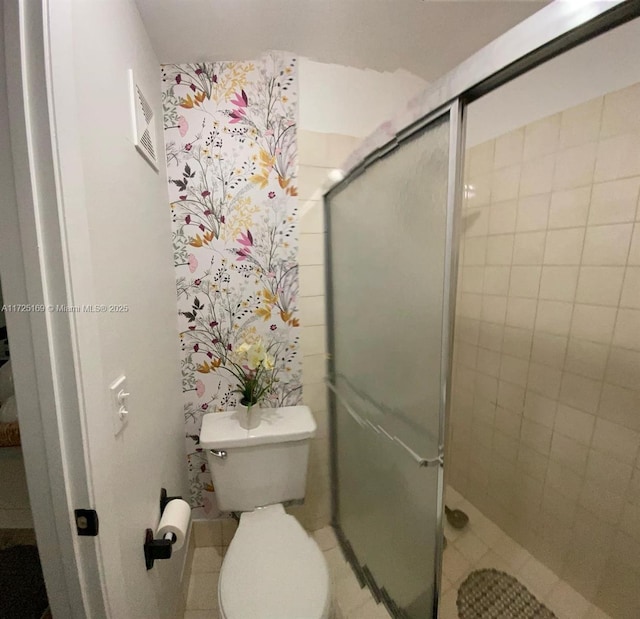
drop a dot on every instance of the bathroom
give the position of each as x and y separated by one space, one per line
539 416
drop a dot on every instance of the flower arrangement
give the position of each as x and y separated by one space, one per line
254 368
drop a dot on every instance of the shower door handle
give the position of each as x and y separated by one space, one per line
378 429
439 461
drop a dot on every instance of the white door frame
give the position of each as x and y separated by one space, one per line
39 268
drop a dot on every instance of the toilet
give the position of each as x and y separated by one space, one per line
272 568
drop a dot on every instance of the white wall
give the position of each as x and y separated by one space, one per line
130 262
15 511
351 101
602 65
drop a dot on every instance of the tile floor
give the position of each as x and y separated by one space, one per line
349 600
480 545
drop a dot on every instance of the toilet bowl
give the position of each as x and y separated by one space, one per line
273 570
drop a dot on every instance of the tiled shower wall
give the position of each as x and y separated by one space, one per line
319 153
545 422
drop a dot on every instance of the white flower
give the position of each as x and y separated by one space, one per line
255 357
269 362
243 348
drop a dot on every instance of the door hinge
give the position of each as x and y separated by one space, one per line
87 522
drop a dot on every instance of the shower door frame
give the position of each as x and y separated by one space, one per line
550 32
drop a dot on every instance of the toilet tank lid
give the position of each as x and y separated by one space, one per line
278 425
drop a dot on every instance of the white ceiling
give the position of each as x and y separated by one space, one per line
427 38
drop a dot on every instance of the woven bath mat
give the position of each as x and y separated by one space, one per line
492 594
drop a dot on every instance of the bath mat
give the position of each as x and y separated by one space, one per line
492 594
22 585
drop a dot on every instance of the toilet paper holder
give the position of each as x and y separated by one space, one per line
155 549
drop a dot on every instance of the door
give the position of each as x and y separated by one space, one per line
390 250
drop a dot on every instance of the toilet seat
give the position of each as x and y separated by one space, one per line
273 570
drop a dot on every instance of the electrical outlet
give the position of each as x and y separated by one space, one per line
119 403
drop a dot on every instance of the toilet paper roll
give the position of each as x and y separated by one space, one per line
175 519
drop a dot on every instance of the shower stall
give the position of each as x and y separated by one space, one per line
468 260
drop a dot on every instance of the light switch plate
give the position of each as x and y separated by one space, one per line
119 403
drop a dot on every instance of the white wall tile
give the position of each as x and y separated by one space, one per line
496 280
631 288
616 441
313 148
525 281
627 330
634 252
569 452
607 245
314 368
521 312
528 248
517 342
623 368
494 308
537 176
480 159
575 424
514 370
564 246
618 157
472 279
549 349
312 311
508 149
313 340
620 405
311 182
544 380
540 409
580 392
569 208
614 202
499 249
541 137
554 317
594 323
567 391
600 285
610 473
620 113
504 184
311 281
475 222
574 167
311 217
502 218
559 283
475 251
586 358
311 249
533 212
478 192
580 124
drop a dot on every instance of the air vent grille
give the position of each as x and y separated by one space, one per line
144 125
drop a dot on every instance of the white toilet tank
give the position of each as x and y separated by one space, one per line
263 466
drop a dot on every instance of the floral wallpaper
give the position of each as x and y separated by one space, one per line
230 136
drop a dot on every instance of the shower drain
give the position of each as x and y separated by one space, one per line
492 594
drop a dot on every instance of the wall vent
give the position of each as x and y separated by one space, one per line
144 125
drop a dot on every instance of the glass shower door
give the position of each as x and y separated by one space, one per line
389 253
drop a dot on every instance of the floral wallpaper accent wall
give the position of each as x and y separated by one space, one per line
230 136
